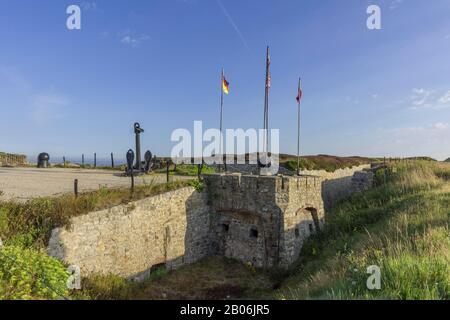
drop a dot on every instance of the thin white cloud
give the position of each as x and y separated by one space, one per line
429 140
429 99
394 4
134 40
440 126
233 24
419 97
445 99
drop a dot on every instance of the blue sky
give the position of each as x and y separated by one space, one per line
366 92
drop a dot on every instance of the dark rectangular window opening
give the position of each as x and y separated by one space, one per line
225 227
253 233
297 233
311 228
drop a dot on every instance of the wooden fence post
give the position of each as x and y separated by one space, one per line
75 187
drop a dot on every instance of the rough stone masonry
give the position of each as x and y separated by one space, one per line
256 219
263 220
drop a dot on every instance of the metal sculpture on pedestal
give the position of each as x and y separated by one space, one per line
43 160
139 167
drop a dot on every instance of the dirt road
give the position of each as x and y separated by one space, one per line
25 183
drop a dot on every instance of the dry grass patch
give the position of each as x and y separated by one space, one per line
211 278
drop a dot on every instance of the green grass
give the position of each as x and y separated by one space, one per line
29 274
29 224
402 226
192 170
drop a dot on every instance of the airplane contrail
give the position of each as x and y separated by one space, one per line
233 24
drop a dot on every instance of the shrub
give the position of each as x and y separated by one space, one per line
29 274
198 185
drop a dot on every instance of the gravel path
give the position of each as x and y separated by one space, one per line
25 183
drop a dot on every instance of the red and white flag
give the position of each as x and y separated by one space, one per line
299 95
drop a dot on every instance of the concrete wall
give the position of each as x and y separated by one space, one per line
128 240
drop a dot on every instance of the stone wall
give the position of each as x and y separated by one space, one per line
128 240
7 159
336 185
260 220
263 220
303 216
362 181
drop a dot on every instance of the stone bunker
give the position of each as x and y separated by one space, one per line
259 220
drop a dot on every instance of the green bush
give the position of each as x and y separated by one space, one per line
28 274
198 185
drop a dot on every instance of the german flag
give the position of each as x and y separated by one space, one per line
225 86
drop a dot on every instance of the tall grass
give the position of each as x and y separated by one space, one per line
402 226
323 162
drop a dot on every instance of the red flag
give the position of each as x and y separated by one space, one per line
299 96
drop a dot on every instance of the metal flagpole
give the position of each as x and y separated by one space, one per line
221 118
298 127
266 105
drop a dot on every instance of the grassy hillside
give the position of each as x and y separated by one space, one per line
402 226
322 162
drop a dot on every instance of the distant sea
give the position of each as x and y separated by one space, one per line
87 160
